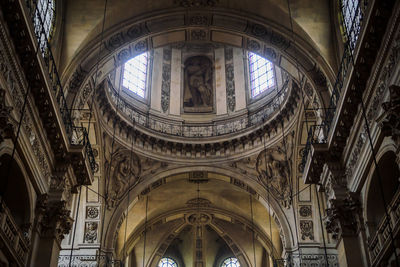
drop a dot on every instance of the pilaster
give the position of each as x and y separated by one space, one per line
6 128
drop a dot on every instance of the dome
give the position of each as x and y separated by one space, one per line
197 92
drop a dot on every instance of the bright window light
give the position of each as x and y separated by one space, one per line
230 262
167 262
43 22
352 20
135 74
261 74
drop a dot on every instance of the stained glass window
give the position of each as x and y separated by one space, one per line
261 74
230 262
167 262
135 74
352 18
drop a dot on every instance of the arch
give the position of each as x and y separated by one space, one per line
276 209
167 262
18 196
180 216
256 35
230 262
389 172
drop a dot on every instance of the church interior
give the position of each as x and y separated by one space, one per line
199 133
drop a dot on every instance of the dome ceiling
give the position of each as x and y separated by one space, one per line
84 20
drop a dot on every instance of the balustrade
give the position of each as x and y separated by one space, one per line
13 236
196 130
381 239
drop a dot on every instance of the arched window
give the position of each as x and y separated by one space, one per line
351 12
230 262
261 72
135 74
167 262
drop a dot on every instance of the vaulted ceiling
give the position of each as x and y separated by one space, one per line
84 20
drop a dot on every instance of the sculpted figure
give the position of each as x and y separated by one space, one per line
198 82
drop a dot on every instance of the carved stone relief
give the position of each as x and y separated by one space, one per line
6 128
166 79
17 92
91 232
305 211
92 212
230 79
198 85
391 123
247 165
198 203
387 72
123 169
274 169
342 216
306 229
53 218
196 3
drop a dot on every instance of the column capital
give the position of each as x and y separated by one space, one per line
53 218
342 216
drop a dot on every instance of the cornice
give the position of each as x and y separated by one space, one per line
169 147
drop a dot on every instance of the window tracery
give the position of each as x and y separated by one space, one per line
230 262
135 74
261 72
167 262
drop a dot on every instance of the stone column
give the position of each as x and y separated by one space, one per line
52 222
343 222
52 218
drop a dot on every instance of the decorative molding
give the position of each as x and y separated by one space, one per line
53 218
307 229
274 169
151 134
374 108
6 127
230 79
16 87
92 212
342 216
391 124
305 211
198 203
196 3
91 232
166 79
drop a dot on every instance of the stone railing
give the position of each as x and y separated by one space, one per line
88 260
198 130
12 236
309 260
381 241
